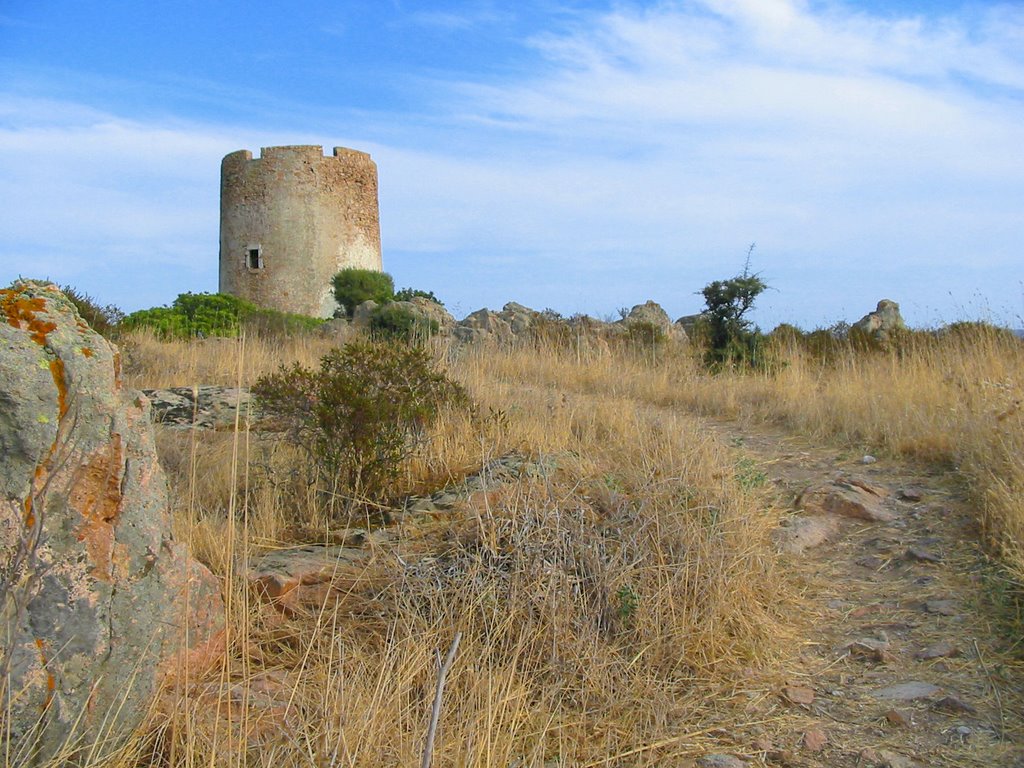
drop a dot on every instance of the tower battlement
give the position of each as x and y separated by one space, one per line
291 219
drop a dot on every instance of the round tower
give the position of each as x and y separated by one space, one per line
291 219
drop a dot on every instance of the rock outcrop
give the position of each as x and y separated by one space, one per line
883 322
517 323
207 407
484 326
101 605
651 314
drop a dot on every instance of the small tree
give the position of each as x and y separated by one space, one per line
732 339
361 415
408 294
353 286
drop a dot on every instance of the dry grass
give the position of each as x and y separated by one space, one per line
954 400
613 605
614 609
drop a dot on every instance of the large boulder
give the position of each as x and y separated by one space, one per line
430 311
483 326
101 604
519 318
881 323
651 315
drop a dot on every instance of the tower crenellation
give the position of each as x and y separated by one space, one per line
291 219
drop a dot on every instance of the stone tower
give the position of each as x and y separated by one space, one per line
291 219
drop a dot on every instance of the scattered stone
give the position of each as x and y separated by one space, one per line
941 607
720 761
898 718
961 733
910 494
862 611
290 579
868 459
954 705
922 555
907 691
867 756
95 620
835 604
798 694
847 497
814 739
782 757
869 648
944 649
887 759
806 532
871 562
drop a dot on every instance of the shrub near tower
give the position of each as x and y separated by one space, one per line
291 219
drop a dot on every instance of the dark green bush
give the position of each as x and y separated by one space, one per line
216 314
353 286
361 415
103 319
733 340
408 294
393 321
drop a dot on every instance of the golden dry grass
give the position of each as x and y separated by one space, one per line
614 609
609 606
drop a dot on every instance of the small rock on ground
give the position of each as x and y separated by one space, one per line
907 691
720 761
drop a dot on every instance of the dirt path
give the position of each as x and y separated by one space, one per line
930 679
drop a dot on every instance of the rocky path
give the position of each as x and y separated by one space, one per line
907 658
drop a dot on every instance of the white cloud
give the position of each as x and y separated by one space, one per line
866 156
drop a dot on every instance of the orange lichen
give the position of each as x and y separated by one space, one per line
96 494
51 682
87 352
57 371
20 311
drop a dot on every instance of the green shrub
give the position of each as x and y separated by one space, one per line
393 321
408 294
103 319
353 286
732 339
216 314
361 415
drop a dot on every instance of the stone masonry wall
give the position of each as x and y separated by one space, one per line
308 215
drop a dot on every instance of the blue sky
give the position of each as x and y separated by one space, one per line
573 154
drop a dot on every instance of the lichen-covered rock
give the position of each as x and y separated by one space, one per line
101 605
